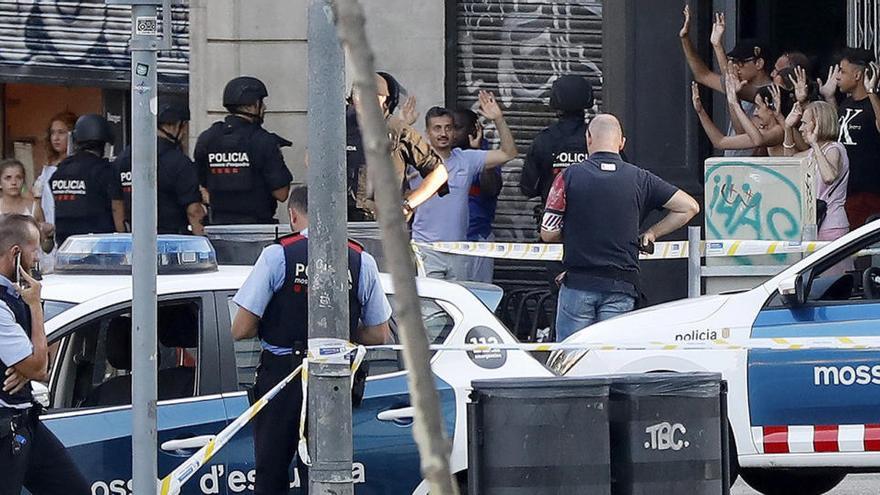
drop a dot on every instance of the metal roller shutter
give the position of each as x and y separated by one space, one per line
517 48
81 42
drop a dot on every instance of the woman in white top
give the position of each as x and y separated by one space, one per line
57 135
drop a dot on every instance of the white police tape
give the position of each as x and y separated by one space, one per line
320 350
662 250
325 351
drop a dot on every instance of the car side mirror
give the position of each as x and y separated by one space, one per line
793 291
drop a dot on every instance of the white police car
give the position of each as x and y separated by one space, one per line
801 419
203 372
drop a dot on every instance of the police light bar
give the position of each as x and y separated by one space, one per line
111 254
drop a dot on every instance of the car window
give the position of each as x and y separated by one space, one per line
438 324
852 275
51 309
94 368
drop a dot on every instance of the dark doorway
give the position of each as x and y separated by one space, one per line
815 27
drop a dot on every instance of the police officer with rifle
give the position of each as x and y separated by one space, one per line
179 202
240 163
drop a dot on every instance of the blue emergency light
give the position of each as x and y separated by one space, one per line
111 254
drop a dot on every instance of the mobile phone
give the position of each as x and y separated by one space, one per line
646 248
18 268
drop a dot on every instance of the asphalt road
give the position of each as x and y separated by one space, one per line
854 484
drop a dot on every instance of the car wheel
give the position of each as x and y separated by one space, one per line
785 482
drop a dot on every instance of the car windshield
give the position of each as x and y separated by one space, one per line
51 309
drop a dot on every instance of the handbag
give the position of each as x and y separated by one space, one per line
822 205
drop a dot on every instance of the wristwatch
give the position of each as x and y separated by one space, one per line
407 208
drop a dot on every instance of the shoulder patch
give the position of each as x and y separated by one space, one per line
291 239
357 246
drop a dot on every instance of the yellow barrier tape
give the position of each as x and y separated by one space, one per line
662 250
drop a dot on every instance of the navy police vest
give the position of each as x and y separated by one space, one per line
285 321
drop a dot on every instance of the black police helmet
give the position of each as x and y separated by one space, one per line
92 128
244 90
393 91
172 110
571 93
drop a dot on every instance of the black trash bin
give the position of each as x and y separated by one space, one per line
666 434
543 436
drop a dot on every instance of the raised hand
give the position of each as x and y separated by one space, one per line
872 74
801 88
776 93
686 27
732 85
695 97
829 87
408 112
795 116
489 107
718 26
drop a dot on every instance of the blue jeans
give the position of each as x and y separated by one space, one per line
578 309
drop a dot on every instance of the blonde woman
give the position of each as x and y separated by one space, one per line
13 197
818 126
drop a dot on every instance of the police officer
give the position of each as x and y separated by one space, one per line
408 149
87 192
30 455
240 163
179 201
557 147
273 305
562 144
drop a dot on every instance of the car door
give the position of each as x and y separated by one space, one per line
90 391
820 400
385 456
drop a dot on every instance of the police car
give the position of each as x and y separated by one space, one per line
801 418
203 373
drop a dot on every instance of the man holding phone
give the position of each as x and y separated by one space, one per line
594 208
30 455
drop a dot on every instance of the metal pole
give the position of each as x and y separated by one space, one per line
694 263
144 48
329 384
428 429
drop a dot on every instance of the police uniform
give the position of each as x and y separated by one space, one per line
83 187
277 292
30 454
557 147
240 164
177 186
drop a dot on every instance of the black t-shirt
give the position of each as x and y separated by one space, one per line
858 133
177 186
600 204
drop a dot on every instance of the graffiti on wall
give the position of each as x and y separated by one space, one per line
81 35
518 48
521 47
751 201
